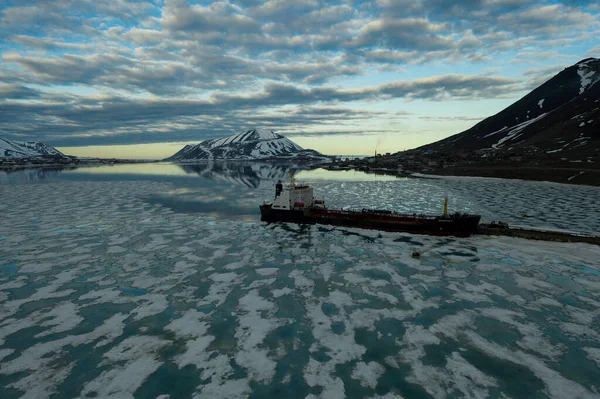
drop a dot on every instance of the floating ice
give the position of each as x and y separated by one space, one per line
150 305
231 301
267 271
122 382
5 352
251 333
63 317
321 374
189 324
593 354
195 351
368 373
281 291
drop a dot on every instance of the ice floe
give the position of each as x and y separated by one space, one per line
368 373
251 333
248 307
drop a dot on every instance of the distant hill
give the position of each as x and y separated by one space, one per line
28 149
560 119
255 144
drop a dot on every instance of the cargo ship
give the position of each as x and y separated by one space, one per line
295 203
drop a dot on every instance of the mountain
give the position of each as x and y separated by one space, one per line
560 119
255 144
28 149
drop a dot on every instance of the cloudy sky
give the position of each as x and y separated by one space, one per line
138 78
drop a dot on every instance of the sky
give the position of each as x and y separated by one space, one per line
139 79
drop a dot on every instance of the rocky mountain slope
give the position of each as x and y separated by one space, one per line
558 120
255 144
29 149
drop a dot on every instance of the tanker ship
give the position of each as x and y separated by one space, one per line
295 203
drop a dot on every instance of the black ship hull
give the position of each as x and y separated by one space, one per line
460 225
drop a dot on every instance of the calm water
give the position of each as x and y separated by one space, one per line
147 280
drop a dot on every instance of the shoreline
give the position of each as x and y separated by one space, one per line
573 176
82 163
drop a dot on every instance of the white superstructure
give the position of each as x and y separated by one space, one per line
295 196
292 196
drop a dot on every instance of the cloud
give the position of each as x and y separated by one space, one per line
219 17
17 92
106 119
537 76
68 17
452 118
69 68
446 87
551 19
118 120
594 52
402 34
32 42
35 20
82 71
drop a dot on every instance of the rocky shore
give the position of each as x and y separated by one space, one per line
583 175
568 172
43 162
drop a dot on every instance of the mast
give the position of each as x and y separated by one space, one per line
445 206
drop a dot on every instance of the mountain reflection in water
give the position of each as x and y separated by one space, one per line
249 174
235 189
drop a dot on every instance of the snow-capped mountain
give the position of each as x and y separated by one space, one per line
561 117
255 144
27 149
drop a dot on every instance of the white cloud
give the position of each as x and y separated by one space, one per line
201 61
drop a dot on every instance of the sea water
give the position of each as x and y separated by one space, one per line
140 281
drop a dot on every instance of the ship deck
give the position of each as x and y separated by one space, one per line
371 214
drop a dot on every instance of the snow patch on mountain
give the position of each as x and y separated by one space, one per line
252 144
516 130
587 75
28 149
547 120
496 132
247 136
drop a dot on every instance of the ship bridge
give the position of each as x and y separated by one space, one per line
293 197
